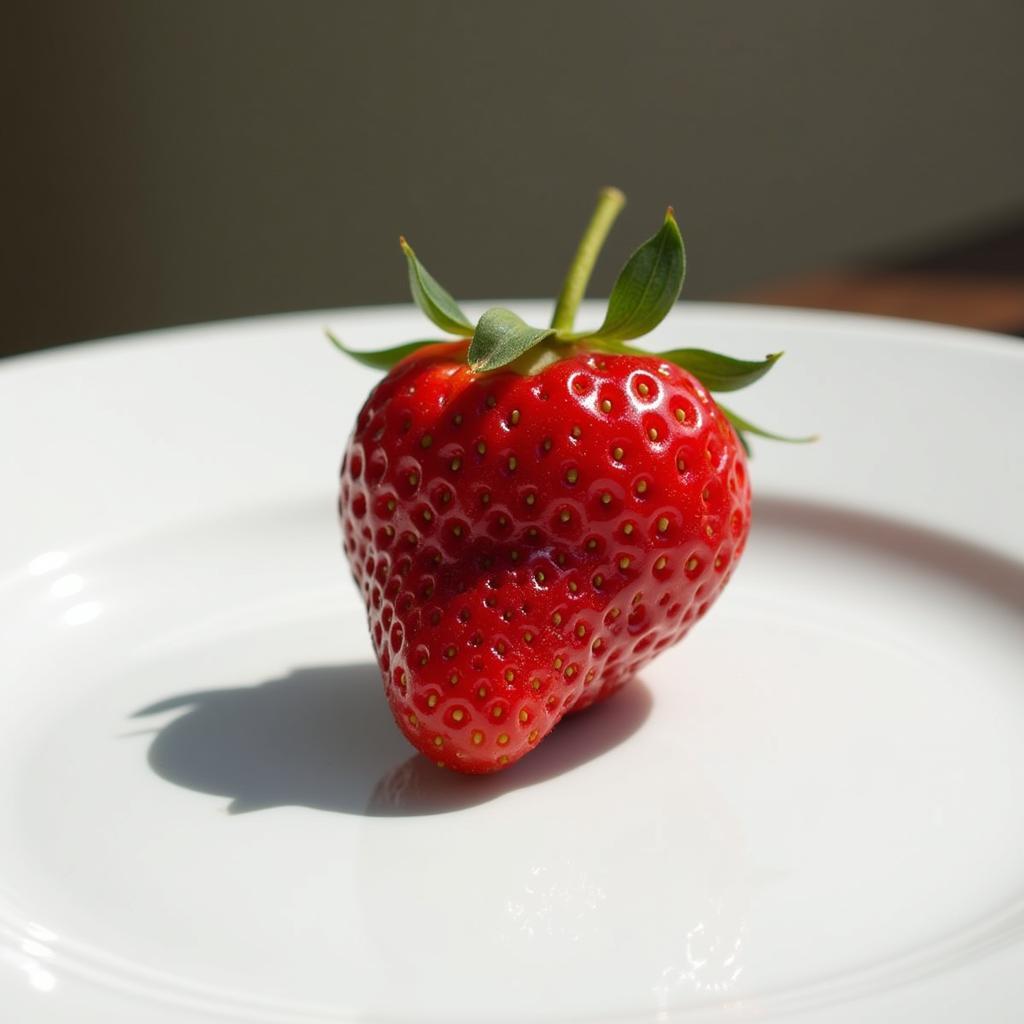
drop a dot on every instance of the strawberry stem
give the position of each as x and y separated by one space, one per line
609 202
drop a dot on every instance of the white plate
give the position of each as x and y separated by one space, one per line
814 804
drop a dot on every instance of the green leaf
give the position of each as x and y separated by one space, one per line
743 426
382 358
502 337
744 441
433 299
647 286
717 372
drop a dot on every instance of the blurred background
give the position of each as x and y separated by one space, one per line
176 162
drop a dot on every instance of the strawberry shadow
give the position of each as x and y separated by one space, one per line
323 737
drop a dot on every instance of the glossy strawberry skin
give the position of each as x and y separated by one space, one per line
525 544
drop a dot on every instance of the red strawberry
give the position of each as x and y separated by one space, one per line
527 537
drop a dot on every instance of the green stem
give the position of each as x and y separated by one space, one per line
609 203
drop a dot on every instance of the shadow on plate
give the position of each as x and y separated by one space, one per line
990 573
324 738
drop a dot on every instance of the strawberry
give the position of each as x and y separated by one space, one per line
533 515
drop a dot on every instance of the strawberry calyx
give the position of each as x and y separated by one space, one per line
646 289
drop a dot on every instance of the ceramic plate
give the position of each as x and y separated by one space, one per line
813 806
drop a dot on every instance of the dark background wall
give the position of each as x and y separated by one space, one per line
169 162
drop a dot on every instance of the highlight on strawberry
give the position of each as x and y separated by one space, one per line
534 513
